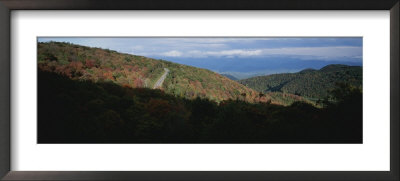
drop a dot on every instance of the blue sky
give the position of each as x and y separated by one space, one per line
306 48
205 51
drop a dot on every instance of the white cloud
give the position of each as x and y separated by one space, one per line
236 52
172 53
311 52
223 53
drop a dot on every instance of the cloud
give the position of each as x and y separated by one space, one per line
172 53
305 52
237 52
202 54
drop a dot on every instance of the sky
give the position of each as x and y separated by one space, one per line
215 52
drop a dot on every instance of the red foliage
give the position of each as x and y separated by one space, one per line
136 68
76 66
138 82
65 70
89 63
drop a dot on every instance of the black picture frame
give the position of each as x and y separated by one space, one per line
6 6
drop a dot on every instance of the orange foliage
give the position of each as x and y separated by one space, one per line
108 75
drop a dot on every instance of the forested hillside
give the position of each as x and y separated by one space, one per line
307 83
99 65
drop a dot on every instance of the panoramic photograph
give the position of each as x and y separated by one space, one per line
197 90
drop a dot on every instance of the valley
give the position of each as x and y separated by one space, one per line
95 95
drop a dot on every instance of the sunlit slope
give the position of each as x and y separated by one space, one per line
100 65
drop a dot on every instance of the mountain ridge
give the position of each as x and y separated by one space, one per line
309 83
102 65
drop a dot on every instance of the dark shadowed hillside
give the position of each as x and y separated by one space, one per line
74 111
309 82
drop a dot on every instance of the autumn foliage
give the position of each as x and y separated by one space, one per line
99 65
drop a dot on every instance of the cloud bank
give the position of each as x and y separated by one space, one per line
166 48
322 53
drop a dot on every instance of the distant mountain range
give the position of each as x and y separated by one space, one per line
243 68
230 76
309 83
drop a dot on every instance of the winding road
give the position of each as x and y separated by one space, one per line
160 81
